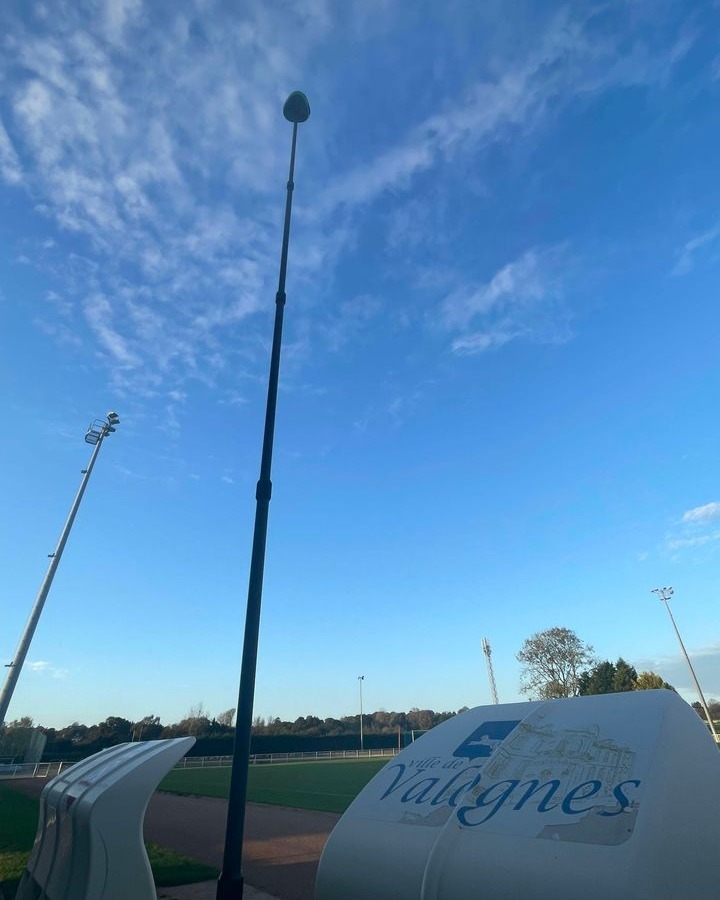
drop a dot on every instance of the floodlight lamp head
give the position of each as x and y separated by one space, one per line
110 430
297 107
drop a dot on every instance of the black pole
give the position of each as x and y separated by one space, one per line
230 883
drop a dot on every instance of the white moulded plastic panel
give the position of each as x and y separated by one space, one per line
89 844
594 797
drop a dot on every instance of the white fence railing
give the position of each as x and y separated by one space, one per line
51 769
32 770
202 762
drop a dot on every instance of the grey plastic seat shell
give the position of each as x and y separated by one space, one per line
89 844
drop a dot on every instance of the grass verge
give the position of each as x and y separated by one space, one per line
18 823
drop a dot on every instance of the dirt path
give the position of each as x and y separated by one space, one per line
282 846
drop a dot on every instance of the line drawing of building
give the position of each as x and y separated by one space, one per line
570 755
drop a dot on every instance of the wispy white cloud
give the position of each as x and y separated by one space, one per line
46 668
131 157
99 314
674 669
698 540
398 405
695 529
156 147
39 666
701 514
526 281
348 318
9 163
521 300
710 240
571 60
117 13
479 341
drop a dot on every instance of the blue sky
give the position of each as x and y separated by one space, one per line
499 382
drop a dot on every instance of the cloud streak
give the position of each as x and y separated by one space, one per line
572 59
696 529
148 133
701 514
43 667
707 240
521 300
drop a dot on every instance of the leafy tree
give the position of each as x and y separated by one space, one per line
552 663
651 681
608 678
598 680
625 677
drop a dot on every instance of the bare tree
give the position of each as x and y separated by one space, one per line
552 663
226 718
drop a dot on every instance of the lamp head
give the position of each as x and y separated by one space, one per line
297 107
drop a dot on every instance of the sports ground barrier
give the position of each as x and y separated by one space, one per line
51 769
202 762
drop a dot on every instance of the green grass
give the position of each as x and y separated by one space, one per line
18 823
326 786
169 867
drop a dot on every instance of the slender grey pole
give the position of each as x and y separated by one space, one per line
664 594
22 648
361 678
230 882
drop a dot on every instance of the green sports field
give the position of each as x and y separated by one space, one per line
326 786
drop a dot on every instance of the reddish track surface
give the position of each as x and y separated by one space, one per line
282 846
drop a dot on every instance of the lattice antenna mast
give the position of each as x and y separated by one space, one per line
491 675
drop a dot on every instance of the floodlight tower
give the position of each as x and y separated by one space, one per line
491 675
95 435
665 594
361 678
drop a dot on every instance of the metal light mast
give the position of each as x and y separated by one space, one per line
95 435
491 675
664 594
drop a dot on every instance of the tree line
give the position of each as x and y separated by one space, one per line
82 740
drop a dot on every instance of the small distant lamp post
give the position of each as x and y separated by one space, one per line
230 883
95 435
361 678
665 594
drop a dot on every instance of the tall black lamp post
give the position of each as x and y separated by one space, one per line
230 883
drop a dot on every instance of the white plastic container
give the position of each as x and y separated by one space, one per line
89 843
613 796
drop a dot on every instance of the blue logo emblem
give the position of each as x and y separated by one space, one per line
485 739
